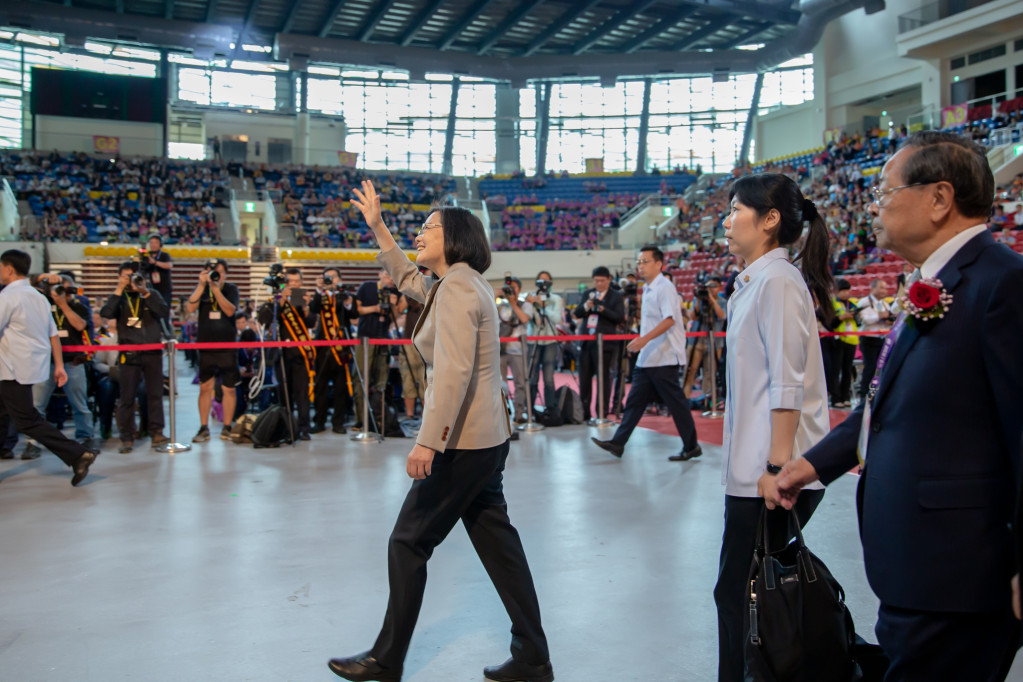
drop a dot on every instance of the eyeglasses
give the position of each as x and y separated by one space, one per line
880 194
643 262
425 227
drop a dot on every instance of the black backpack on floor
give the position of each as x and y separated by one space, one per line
570 405
270 429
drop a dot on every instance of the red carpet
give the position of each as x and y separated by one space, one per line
708 430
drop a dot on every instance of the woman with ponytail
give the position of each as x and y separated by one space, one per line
777 404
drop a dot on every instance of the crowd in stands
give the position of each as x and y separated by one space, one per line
76 197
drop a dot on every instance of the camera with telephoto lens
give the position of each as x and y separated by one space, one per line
211 267
702 293
138 281
543 289
57 290
276 279
507 289
327 280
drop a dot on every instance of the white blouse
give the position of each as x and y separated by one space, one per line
774 362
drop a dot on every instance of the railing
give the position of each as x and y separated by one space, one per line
936 11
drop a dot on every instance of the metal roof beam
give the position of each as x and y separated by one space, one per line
743 39
168 9
754 10
608 27
657 29
289 22
374 20
695 37
419 22
558 26
470 15
331 17
508 24
211 8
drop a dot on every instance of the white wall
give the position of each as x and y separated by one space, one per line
325 137
37 250
789 130
76 135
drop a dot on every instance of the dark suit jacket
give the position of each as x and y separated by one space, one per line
610 315
937 495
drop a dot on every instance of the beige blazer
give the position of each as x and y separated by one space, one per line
456 334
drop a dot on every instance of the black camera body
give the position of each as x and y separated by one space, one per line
328 280
57 290
702 293
385 293
138 281
276 280
211 267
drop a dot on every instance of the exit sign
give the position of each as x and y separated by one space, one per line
668 211
250 206
1017 150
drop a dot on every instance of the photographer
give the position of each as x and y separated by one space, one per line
514 317
71 318
139 312
548 309
410 362
157 266
602 311
374 302
216 300
335 309
293 323
707 314
28 342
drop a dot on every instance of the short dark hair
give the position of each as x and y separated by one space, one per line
127 265
332 268
714 280
515 280
601 271
544 272
841 284
220 261
465 240
293 271
957 160
19 260
155 236
654 252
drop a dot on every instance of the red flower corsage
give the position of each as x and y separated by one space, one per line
926 300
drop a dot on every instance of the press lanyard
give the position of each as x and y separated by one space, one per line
213 300
882 358
134 310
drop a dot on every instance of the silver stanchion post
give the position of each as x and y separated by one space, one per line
530 426
172 446
600 419
366 435
713 413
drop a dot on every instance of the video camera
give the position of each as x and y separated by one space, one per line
276 280
628 287
385 294
211 267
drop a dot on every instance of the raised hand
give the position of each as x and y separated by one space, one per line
368 201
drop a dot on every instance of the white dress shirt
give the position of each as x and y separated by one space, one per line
660 302
870 309
774 362
26 326
943 254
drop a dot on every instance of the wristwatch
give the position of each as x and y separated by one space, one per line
773 469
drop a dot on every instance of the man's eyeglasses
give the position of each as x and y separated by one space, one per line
425 227
880 194
643 262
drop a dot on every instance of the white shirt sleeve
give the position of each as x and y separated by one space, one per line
782 325
53 327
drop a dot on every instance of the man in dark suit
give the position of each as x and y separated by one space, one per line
939 432
601 311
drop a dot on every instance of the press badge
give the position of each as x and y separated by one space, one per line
155 277
214 314
591 321
62 333
135 322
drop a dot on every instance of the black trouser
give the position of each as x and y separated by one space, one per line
148 366
466 485
329 371
660 384
742 518
297 377
16 406
928 645
870 346
588 369
841 367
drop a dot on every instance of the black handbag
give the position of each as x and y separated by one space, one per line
799 629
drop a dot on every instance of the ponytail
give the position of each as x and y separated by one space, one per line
813 259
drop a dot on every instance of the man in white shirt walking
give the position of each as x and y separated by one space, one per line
875 315
28 339
662 351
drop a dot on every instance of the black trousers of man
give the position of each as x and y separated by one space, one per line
659 384
932 645
147 366
330 372
16 407
297 377
870 346
841 368
742 518
466 485
588 369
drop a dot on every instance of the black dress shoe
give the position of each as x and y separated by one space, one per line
81 467
318 428
31 451
612 447
363 668
304 435
687 455
340 429
514 671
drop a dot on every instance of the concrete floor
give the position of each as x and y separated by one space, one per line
229 563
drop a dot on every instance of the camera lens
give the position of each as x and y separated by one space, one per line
327 280
214 276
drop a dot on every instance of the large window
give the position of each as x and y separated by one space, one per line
227 88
